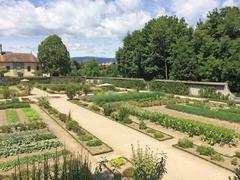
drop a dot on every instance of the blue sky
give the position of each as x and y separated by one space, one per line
89 27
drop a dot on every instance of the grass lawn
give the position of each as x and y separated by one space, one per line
30 114
12 116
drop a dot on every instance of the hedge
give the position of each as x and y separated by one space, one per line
169 87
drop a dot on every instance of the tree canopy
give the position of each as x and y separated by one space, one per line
53 56
167 47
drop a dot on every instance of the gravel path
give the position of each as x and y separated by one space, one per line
180 165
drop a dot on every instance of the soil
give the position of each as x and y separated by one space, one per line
21 116
3 120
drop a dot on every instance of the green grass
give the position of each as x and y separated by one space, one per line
12 116
207 112
30 115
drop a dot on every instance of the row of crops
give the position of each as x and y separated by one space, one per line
209 133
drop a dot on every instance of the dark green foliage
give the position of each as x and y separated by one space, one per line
71 125
205 150
94 142
13 104
63 117
43 102
210 133
54 56
158 135
206 111
126 83
217 157
185 143
85 137
237 154
168 48
71 92
142 125
169 87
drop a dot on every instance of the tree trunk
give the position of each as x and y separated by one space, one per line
166 70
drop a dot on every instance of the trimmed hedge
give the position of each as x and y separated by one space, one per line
127 83
13 104
169 87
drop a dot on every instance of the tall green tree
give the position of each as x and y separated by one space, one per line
90 68
54 56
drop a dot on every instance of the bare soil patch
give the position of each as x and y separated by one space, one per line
21 116
3 120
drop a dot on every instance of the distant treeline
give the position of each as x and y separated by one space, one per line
167 47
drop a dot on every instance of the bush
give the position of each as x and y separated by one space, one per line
71 92
94 142
6 93
128 172
107 109
172 87
158 135
237 154
63 117
43 102
71 125
185 143
85 137
237 175
13 104
86 89
205 150
234 161
142 125
94 107
117 162
217 157
148 165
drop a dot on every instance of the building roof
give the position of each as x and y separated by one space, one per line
17 57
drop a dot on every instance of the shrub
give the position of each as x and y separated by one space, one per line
217 157
6 129
85 137
63 117
94 107
172 87
86 89
142 125
94 142
117 162
71 125
237 154
6 93
128 172
71 92
158 135
205 150
43 102
107 109
234 161
147 164
185 143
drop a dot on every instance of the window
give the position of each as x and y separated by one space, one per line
29 68
37 68
8 68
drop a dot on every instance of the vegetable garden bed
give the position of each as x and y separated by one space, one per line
224 161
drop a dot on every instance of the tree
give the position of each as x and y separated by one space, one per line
3 70
53 56
90 68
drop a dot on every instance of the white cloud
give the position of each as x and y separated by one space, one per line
193 10
72 17
229 3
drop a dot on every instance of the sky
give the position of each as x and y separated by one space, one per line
90 27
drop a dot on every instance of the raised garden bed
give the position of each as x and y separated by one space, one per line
226 163
90 142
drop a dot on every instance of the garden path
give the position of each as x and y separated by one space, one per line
180 165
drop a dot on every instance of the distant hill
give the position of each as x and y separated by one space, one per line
98 59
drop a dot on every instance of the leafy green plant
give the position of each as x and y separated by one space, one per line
237 175
13 104
12 116
158 135
234 161
6 93
43 102
117 162
206 150
94 142
210 133
71 92
70 125
30 114
107 109
142 125
147 164
237 154
85 137
217 157
210 92
185 143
